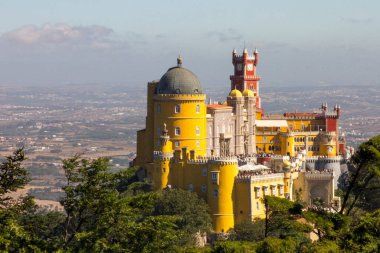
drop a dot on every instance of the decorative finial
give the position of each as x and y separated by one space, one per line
256 52
179 61
234 51
165 130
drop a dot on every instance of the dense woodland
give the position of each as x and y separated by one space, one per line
115 212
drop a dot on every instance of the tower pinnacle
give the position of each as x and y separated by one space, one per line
179 61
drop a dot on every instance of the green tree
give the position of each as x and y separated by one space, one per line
192 210
252 231
13 176
281 217
365 235
276 245
362 184
90 192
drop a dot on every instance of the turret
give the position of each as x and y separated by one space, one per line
256 54
337 110
324 107
162 160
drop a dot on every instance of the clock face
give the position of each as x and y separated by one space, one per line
250 66
239 67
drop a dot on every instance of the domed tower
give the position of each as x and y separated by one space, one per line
236 100
179 103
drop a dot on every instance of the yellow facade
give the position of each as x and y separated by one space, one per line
185 117
221 193
172 150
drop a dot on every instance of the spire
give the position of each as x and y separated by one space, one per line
234 51
256 52
179 61
245 50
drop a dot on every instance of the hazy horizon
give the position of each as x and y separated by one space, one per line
47 43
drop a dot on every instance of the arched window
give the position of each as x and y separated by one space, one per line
197 108
177 131
177 108
197 130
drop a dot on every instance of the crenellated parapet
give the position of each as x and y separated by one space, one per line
159 155
180 97
198 161
254 178
231 160
320 175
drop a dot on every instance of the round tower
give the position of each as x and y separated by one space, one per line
222 173
180 103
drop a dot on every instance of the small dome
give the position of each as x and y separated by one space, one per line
178 80
248 93
235 93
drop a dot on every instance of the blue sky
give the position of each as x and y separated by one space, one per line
51 42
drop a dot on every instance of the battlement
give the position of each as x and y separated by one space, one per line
332 159
158 155
267 177
198 161
319 175
248 77
182 97
229 160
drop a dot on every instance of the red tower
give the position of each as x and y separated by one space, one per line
245 76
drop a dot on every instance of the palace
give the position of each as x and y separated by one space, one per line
232 154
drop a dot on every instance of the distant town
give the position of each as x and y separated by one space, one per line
94 120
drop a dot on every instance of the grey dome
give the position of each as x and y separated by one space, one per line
178 80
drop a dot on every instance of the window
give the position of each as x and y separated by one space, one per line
258 192
215 193
176 144
197 143
266 190
281 190
290 127
204 172
158 108
214 177
197 108
177 131
191 187
197 130
204 188
257 205
303 127
177 109
274 189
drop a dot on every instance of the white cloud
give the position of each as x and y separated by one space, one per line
60 34
226 35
